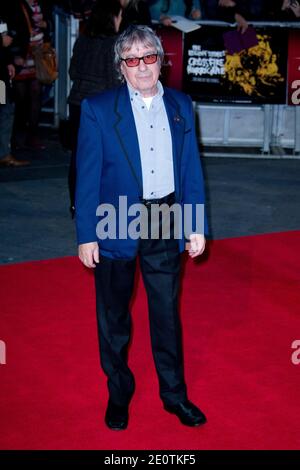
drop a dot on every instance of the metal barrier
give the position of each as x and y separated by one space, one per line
267 128
66 32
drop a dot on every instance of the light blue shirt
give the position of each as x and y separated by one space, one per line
155 143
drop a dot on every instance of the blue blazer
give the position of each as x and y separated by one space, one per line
109 164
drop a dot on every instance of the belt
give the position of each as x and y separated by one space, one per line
169 199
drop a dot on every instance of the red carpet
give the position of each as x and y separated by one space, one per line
240 312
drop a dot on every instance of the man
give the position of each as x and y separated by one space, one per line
138 141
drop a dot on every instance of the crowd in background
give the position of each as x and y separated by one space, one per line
26 23
258 10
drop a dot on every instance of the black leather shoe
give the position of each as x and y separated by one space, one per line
187 412
116 417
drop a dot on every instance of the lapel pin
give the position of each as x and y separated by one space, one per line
176 118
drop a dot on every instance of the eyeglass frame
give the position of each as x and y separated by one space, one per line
139 59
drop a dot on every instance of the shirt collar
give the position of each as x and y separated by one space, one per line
136 95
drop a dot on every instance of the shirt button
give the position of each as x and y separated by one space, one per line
151 126
152 171
152 193
143 107
151 148
164 128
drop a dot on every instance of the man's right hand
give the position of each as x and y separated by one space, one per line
89 254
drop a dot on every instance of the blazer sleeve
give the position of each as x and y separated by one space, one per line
193 182
89 160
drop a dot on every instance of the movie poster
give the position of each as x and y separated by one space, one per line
172 42
256 74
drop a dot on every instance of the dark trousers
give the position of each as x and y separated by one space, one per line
28 108
6 125
160 268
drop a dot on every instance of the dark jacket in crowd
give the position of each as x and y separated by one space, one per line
272 11
212 11
92 67
80 9
254 10
138 15
5 60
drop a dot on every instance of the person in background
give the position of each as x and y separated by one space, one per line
81 9
273 10
237 9
139 141
263 10
135 12
227 10
162 10
7 73
32 21
92 69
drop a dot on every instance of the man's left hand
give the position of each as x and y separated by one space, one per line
197 245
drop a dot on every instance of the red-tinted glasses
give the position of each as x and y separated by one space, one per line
135 61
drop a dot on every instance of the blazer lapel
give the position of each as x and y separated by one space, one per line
127 135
